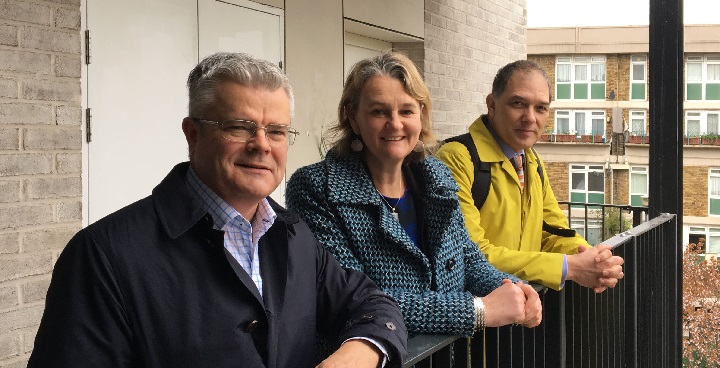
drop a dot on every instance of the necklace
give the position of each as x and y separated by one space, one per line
392 208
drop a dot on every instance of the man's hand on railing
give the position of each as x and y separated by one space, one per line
595 267
512 303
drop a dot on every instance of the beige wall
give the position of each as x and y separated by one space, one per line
314 64
403 16
614 40
275 3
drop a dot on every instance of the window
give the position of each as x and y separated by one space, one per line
587 183
637 122
580 77
702 77
639 184
638 77
707 237
581 122
698 123
714 192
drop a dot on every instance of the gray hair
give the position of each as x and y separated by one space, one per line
241 68
503 75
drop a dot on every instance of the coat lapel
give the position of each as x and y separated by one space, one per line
351 191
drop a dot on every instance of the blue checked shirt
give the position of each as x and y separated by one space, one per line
241 235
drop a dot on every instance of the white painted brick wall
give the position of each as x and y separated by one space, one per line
40 159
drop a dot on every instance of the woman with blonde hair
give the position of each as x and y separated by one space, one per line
381 205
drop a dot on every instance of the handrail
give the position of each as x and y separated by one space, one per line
422 347
636 324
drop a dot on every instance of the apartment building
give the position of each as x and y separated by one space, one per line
596 142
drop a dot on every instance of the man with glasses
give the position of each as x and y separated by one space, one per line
209 271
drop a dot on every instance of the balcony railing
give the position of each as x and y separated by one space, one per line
588 136
636 324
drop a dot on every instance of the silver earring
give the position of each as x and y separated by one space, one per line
357 145
419 147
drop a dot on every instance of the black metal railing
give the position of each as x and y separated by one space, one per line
636 324
613 218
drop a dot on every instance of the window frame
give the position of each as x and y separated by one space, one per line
572 122
713 200
638 170
636 60
575 85
702 117
638 114
703 86
586 169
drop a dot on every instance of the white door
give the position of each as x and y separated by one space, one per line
141 54
247 27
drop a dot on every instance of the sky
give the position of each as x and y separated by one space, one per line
571 13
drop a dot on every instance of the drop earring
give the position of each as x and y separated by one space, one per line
357 145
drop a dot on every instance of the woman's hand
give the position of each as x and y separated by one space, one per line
512 303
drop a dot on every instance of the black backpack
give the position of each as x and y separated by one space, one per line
481 185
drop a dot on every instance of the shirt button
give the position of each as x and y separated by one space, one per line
252 325
390 326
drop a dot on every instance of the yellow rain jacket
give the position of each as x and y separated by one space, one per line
508 229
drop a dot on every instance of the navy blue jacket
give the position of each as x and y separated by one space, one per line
434 283
152 286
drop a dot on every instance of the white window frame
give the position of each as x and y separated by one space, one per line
587 169
703 61
711 234
702 117
590 115
639 170
638 115
636 60
712 173
584 60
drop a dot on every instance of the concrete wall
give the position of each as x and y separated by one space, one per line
466 42
40 158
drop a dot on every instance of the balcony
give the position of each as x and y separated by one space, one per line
579 136
636 324
708 139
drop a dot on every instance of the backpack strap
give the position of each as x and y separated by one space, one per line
481 184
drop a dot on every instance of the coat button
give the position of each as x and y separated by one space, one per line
450 264
252 325
390 326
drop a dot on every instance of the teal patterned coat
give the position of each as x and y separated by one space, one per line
337 199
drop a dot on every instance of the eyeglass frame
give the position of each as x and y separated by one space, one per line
292 132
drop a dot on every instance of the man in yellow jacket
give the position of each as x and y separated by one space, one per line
509 226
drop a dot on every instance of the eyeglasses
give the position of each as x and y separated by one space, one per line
243 130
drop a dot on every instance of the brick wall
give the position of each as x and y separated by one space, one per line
558 173
695 191
621 187
40 159
466 42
